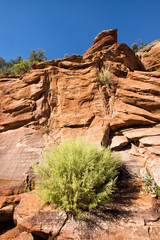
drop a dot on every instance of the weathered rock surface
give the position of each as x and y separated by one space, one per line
150 141
7 205
136 134
64 98
117 142
154 150
44 222
133 215
150 56
19 148
16 235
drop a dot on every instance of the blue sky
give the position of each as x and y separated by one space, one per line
70 26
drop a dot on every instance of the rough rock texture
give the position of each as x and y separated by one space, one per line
16 235
64 98
150 56
42 222
132 216
7 205
19 148
56 100
117 142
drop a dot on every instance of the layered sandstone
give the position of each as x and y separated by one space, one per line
64 98
150 56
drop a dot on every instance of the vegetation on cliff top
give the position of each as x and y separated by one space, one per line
20 66
76 176
137 46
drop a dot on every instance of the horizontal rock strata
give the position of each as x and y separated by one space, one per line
65 98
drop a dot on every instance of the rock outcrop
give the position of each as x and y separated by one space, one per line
64 98
150 56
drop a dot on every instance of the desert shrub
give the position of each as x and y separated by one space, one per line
104 75
18 68
134 47
76 175
150 185
137 46
21 67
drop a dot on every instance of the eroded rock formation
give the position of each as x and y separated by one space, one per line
64 98
150 55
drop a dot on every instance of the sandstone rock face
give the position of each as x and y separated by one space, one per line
65 98
150 56
19 148
57 100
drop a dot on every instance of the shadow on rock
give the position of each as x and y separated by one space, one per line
128 189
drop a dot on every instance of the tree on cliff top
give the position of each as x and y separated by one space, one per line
137 46
20 66
37 55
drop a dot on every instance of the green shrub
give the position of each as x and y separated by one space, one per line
104 75
37 55
18 68
137 46
150 185
134 47
77 176
21 68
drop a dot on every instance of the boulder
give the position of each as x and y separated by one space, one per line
150 141
7 205
137 133
41 221
15 234
104 38
6 213
153 150
118 142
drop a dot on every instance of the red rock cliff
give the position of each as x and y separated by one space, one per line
64 98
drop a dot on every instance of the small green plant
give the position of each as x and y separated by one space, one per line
138 46
104 75
134 47
20 66
77 176
150 185
66 55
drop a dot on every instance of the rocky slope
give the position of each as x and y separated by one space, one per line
150 55
64 98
